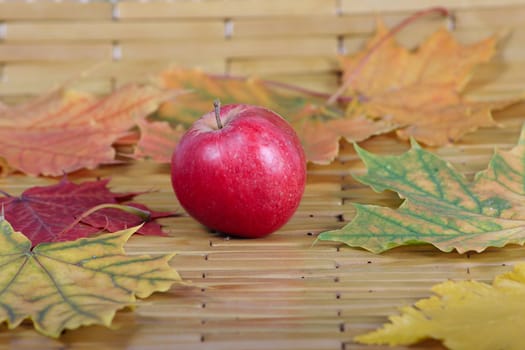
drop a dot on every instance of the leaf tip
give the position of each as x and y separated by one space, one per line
522 135
361 152
414 144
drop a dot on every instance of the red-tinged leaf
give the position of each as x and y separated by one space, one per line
158 140
65 131
115 219
46 213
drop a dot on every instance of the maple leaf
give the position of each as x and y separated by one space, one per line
64 131
464 315
158 140
46 213
318 126
71 284
5 169
419 91
441 207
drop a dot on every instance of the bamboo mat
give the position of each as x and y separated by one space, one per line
283 291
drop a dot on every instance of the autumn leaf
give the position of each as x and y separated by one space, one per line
64 131
441 207
387 88
5 169
319 127
464 315
46 213
419 90
158 140
71 284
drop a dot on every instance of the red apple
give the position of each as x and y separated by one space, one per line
240 170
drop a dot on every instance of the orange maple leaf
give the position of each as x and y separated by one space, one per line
418 94
319 127
157 140
64 131
419 90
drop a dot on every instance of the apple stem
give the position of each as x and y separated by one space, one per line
217 107
342 89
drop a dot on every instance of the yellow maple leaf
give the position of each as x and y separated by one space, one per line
464 315
71 284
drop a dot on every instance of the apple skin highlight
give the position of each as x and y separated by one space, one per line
245 179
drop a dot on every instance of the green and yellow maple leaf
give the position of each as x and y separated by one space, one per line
441 207
464 315
71 284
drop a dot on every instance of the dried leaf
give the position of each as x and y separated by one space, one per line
5 169
46 213
65 131
71 284
464 315
319 127
320 139
420 91
158 140
441 206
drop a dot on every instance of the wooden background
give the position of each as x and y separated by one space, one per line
283 291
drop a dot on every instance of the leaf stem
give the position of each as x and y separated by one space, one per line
217 108
401 25
144 215
5 193
343 99
282 85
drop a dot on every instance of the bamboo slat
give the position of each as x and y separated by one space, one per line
224 8
349 6
230 48
11 52
285 291
112 31
24 87
51 10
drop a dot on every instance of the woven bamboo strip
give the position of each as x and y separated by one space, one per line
51 10
55 52
230 48
350 6
120 72
29 88
224 8
112 30
278 66
364 24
